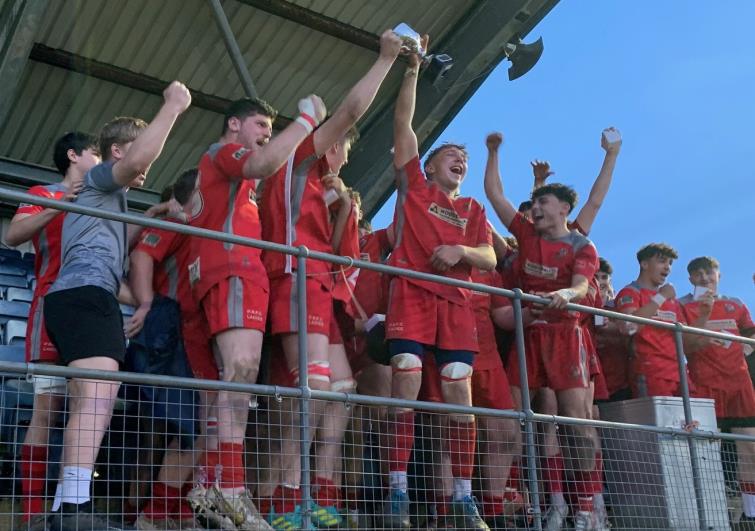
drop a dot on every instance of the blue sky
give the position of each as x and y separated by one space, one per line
677 78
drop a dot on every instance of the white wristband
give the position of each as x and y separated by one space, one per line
307 121
658 299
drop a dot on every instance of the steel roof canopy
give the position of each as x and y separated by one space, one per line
77 64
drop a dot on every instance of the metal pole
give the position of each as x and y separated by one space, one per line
233 49
688 420
529 428
304 418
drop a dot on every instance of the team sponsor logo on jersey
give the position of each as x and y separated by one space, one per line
194 272
721 324
239 153
540 270
365 257
562 253
665 315
626 299
448 215
151 239
730 308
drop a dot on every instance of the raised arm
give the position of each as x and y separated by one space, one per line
269 158
149 144
493 184
405 146
589 211
360 97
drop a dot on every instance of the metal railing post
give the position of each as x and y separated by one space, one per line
304 418
529 428
689 422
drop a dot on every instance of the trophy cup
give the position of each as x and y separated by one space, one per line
411 40
437 65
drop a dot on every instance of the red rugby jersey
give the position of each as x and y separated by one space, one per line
47 241
349 247
425 218
171 252
482 304
294 213
371 289
719 362
545 265
225 201
654 348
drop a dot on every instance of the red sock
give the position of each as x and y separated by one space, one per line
326 493
597 480
553 474
401 439
492 505
33 477
163 501
285 499
232 463
747 487
211 462
461 442
266 503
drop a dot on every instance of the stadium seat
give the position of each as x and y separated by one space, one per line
17 269
10 310
10 253
12 353
13 281
15 333
19 294
29 257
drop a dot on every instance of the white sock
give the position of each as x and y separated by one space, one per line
748 504
58 495
76 481
462 488
398 480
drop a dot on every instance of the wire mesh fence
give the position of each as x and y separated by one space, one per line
162 464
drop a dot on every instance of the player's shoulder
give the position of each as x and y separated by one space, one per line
630 290
579 241
686 299
731 301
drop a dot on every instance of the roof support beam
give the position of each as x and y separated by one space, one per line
233 49
19 22
477 46
127 78
318 22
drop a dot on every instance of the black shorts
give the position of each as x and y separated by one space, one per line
85 322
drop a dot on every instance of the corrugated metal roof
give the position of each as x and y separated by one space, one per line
179 39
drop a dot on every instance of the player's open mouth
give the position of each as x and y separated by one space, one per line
456 169
261 142
537 217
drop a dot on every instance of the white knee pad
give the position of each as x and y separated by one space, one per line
455 371
347 385
406 363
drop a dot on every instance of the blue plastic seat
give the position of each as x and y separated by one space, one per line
10 310
19 294
13 281
15 332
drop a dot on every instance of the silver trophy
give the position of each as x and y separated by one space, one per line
411 40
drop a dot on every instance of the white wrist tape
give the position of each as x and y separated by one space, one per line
307 121
567 293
